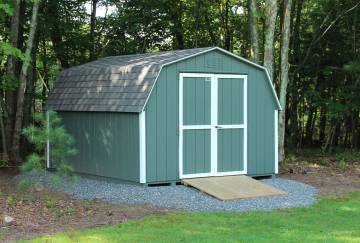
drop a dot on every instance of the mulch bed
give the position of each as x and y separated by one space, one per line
47 212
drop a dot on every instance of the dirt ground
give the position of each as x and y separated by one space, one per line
329 179
46 212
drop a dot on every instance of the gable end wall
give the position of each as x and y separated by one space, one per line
162 116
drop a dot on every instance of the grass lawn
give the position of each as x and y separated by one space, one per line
334 219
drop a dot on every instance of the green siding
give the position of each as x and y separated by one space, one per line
230 150
107 143
197 98
162 116
230 101
196 151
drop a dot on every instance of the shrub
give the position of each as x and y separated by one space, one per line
343 164
322 161
61 144
25 184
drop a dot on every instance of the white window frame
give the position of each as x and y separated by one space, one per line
214 126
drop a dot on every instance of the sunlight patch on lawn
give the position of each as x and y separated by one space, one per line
349 209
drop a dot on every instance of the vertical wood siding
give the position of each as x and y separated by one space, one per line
230 150
107 143
230 101
162 115
197 151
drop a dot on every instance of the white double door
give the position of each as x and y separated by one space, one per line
212 125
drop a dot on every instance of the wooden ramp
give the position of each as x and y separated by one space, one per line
232 187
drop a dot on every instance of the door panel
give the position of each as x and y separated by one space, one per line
196 101
230 150
196 156
230 101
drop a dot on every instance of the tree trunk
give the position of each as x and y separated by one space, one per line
227 39
56 35
271 8
45 78
210 31
176 14
354 130
322 124
308 126
92 29
5 155
285 39
22 85
254 33
11 72
30 85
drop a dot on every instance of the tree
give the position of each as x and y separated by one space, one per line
92 29
22 84
11 73
254 33
284 73
49 129
271 9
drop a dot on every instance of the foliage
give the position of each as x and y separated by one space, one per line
323 108
4 163
292 225
6 8
9 201
8 50
25 184
290 158
62 144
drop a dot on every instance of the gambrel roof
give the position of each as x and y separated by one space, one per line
117 83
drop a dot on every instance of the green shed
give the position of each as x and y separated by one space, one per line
160 117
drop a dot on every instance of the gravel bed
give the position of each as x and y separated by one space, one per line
180 197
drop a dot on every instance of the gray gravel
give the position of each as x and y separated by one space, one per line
180 197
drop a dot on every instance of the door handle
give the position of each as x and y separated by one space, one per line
218 127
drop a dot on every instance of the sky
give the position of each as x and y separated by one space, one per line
100 10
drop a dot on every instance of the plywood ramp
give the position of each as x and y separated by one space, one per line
233 187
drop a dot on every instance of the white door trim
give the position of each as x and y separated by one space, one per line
214 126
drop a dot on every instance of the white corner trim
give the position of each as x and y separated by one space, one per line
181 80
276 134
142 142
47 141
245 124
226 52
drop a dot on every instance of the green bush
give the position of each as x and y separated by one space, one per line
25 184
342 164
61 144
322 161
4 163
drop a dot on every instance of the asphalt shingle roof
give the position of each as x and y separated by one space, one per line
115 83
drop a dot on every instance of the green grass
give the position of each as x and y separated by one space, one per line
331 220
